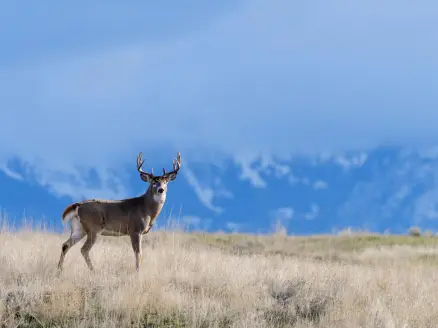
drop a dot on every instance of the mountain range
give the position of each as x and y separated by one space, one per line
386 189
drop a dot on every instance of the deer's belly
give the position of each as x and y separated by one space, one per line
114 231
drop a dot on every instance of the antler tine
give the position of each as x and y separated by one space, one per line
140 162
177 161
176 164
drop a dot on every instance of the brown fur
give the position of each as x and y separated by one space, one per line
132 216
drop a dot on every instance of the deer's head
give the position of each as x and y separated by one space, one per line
158 183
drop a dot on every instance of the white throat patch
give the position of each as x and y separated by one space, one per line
160 198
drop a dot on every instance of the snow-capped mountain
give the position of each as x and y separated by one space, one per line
388 188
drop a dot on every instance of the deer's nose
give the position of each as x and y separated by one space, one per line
160 190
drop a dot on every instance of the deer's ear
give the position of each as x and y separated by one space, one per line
171 177
146 178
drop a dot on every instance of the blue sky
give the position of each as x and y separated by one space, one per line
86 86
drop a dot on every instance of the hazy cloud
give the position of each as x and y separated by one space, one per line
313 213
205 194
259 78
11 173
320 184
283 213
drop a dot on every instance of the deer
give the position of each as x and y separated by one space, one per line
133 217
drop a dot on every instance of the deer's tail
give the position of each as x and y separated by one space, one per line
70 212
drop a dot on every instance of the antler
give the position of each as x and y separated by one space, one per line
140 162
176 166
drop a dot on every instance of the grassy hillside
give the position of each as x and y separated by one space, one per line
220 280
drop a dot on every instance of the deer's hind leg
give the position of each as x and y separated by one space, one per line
77 233
85 250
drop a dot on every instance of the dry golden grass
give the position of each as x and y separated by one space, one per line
219 280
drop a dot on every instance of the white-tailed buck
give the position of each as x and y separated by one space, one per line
132 216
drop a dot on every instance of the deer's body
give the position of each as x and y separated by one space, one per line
116 217
131 216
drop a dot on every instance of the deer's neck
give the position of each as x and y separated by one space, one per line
153 203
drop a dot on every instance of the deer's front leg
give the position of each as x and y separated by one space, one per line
136 246
136 237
